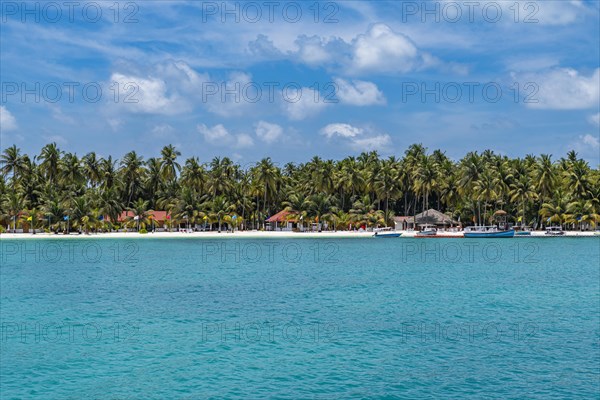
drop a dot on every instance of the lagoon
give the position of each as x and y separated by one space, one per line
300 318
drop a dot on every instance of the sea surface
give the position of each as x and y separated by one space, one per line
300 318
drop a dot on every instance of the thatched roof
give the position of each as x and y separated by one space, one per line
434 217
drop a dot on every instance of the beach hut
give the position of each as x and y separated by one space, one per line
402 223
435 218
282 221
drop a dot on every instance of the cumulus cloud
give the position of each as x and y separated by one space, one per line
341 130
218 135
594 119
147 95
303 103
267 132
355 138
378 49
358 93
382 49
7 120
563 89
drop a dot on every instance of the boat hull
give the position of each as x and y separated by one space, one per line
501 234
523 233
387 235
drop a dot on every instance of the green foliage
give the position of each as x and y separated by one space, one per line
63 191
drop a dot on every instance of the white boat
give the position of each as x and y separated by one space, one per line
386 233
554 231
426 231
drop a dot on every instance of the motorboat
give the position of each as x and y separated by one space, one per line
386 233
473 232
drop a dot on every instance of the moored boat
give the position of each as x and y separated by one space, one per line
523 233
427 231
554 231
488 232
386 233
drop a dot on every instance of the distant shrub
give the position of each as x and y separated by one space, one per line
2 229
143 231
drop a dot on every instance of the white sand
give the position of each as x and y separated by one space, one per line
237 235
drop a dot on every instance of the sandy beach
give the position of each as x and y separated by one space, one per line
245 235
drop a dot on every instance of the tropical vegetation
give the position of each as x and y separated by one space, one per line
61 191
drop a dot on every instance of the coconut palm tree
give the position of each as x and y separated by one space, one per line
12 163
132 176
50 157
219 207
169 165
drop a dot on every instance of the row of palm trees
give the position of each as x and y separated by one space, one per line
60 190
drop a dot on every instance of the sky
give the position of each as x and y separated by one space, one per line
291 80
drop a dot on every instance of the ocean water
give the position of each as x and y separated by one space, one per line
340 318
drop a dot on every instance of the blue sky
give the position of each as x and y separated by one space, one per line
220 79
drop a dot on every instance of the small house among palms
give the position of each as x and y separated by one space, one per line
282 221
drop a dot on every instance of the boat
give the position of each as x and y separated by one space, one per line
554 231
488 232
386 233
427 231
524 231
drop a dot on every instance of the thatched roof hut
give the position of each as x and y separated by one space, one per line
434 217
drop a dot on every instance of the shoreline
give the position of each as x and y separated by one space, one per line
248 235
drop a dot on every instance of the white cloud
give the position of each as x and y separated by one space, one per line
302 103
588 147
162 131
379 142
244 140
218 135
147 95
7 120
563 89
267 132
355 137
594 119
313 50
381 49
215 135
358 93
378 49
591 141
341 130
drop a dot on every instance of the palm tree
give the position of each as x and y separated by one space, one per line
426 178
13 203
555 210
50 157
12 162
385 185
319 206
522 190
141 214
169 166
92 171
132 172
266 175
219 207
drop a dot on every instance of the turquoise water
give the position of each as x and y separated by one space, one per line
393 318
